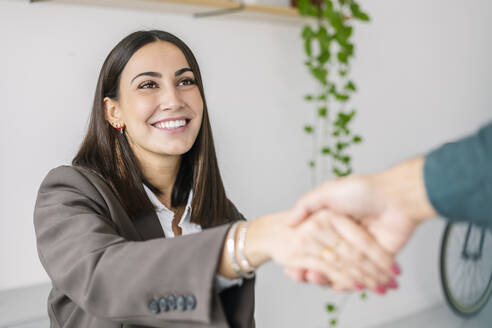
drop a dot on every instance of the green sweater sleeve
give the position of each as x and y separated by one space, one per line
458 178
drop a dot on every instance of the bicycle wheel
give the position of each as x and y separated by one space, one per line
466 267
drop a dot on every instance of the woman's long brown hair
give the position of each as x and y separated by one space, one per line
107 152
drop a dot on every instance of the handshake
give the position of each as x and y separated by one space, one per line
346 233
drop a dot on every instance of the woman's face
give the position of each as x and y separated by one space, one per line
160 104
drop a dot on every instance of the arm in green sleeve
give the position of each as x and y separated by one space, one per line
458 178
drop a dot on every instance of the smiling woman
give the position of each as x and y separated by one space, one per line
147 172
160 82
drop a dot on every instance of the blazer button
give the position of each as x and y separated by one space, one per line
154 307
190 302
181 303
163 304
171 302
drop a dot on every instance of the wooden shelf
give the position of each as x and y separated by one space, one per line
275 10
193 7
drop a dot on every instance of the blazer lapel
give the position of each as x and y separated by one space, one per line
148 226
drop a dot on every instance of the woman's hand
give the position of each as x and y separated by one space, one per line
334 250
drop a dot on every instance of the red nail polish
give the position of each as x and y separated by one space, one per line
392 284
396 269
359 286
380 289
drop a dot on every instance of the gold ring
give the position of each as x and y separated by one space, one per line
335 241
328 250
328 254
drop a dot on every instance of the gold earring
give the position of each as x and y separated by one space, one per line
119 127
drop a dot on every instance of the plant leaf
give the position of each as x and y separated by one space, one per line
342 57
322 32
303 6
333 89
324 56
357 139
340 173
345 159
342 97
341 145
357 13
342 72
326 150
320 74
307 32
363 17
350 86
307 47
308 128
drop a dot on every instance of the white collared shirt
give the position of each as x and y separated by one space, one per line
166 217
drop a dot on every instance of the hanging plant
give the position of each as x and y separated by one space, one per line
329 51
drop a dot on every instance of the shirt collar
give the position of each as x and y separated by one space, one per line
161 207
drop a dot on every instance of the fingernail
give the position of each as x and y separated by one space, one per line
321 281
392 284
380 289
359 286
396 269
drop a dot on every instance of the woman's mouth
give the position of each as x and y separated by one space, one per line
172 126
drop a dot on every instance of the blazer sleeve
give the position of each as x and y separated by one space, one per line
109 276
458 178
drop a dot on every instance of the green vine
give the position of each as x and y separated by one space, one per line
329 50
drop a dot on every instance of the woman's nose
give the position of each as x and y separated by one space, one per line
171 99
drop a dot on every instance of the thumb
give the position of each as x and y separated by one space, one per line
297 215
308 204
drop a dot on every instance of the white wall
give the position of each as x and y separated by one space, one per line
424 76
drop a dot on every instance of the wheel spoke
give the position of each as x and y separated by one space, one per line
466 280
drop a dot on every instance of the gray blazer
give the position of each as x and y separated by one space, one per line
108 271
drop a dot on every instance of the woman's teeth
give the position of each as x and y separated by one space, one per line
171 124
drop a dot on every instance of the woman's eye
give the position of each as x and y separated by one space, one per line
188 81
147 85
153 85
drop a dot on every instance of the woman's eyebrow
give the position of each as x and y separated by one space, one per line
153 74
159 75
181 71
